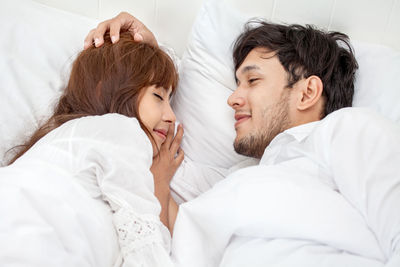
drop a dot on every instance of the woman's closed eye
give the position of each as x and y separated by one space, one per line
158 96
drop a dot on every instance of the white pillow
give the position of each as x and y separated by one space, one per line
38 44
378 79
207 79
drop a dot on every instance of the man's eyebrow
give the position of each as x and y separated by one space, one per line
249 68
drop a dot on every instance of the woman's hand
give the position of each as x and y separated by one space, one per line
121 23
169 157
164 167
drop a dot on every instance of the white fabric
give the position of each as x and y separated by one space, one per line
325 193
192 179
173 27
378 79
83 196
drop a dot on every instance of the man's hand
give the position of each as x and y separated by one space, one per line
164 167
121 23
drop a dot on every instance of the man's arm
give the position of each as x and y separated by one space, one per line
121 23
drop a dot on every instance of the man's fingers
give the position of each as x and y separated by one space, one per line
89 39
122 22
126 20
138 37
115 28
99 33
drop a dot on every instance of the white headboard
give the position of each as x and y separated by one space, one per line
375 21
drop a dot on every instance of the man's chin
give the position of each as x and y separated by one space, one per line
241 147
249 147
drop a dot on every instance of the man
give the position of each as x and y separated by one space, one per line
327 189
320 196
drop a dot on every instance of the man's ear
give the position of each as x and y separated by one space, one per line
310 93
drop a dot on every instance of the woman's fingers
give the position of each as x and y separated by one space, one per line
171 146
170 136
176 143
179 158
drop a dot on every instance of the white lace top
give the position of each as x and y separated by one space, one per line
93 177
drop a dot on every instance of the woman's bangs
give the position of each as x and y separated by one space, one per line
164 73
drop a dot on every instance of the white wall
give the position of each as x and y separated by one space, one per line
376 21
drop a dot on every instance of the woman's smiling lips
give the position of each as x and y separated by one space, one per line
241 118
161 133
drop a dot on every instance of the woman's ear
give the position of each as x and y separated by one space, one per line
310 93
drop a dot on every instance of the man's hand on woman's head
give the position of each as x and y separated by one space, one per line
121 23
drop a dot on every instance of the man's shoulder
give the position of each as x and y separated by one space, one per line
356 119
352 117
351 112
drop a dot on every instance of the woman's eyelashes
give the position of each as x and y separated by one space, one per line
158 96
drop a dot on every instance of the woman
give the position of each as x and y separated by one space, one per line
86 189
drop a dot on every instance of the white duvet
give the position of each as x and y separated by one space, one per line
325 194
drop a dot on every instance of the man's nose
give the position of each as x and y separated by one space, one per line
236 99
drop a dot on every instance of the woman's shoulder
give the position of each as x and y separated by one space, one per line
110 128
106 119
111 122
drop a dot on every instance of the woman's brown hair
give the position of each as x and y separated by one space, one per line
108 79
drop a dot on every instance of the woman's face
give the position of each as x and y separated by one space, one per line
156 114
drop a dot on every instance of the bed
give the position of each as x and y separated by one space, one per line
41 38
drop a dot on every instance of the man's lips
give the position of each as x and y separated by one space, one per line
161 133
241 118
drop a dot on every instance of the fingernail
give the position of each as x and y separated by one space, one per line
113 39
138 37
96 41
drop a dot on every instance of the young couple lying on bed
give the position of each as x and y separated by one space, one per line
326 191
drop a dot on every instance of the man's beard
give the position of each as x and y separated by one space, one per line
276 120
